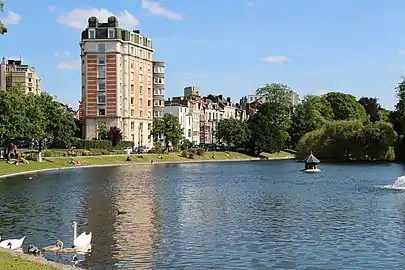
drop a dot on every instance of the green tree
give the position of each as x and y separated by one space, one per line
276 93
103 130
379 137
398 115
268 127
345 106
232 131
168 127
13 118
311 114
114 134
3 29
372 108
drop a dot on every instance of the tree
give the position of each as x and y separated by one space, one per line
3 29
13 118
168 127
276 93
114 135
345 106
268 127
398 116
307 117
103 130
371 107
233 131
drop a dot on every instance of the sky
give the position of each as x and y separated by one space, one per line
231 47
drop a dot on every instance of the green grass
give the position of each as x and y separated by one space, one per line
278 155
62 162
8 262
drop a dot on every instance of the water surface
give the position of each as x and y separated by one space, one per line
240 215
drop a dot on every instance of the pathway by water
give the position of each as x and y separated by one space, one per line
243 215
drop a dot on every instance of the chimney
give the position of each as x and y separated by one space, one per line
220 96
228 99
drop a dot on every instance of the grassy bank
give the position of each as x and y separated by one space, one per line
279 155
13 261
63 162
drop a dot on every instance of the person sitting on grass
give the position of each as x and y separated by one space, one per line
74 162
128 159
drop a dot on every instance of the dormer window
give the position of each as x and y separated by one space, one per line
92 33
111 33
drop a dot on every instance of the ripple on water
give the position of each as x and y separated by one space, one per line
258 215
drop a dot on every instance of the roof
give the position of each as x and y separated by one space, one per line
311 159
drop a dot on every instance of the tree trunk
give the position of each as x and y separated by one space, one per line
39 157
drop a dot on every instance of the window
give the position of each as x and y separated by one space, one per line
148 68
189 121
111 33
101 99
140 102
101 72
29 79
149 80
30 89
140 78
161 91
149 126
140 89
132 112
158 80
101 111
132 100
140 114
101 47
101 59
132 88
140 66
92 33
132 76
149 102
101 85
132 63
140 53
132 50
149 91
149 43
132 125
189 133
149 55
149 114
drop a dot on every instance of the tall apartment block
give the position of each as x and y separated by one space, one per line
13 73
120 81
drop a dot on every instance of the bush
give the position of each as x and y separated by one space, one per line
200 151
188 154
102 144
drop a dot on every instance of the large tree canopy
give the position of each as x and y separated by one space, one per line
3 29
232 131
345 106
168 127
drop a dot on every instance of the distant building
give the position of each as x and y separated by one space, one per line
181 111
13 73
122 84
190 91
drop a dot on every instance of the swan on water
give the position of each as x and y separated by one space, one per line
81 240
64 250
33 250
12 243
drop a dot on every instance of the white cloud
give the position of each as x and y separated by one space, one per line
158 10
11 18
78 18
64 53
275 59
69 65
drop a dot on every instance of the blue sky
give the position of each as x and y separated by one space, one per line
226 46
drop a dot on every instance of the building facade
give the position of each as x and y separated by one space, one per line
119 81
13 73
181 111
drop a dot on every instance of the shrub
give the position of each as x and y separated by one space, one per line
200 151
188 154
102 144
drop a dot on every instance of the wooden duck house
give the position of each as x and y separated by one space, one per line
311 164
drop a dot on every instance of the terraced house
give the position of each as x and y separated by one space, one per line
122 84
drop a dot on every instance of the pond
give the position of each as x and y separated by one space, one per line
228 215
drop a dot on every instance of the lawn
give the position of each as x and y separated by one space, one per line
63 162
278 155
8 262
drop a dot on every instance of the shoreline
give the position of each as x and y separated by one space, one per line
33 261
131 163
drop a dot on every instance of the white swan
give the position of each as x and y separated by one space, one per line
81 240
12 243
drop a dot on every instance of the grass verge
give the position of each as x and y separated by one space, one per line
63 162
278 155
9 261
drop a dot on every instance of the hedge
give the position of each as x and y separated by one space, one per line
102 144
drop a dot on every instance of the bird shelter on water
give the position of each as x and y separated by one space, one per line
311 163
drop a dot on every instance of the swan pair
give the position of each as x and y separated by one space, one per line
12 243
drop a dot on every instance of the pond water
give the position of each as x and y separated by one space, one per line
234 215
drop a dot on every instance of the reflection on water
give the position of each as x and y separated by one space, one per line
253 215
